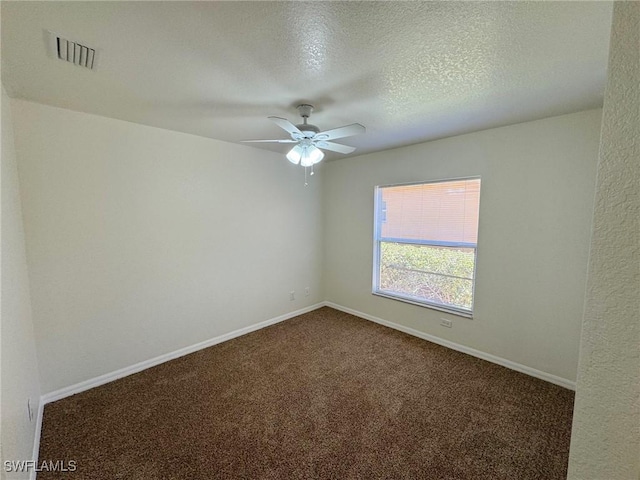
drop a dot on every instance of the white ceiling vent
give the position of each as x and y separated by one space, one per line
72 52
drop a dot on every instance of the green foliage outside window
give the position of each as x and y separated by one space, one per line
442 275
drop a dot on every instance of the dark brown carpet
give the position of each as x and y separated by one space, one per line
323 395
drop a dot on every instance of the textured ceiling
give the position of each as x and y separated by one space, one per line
408 71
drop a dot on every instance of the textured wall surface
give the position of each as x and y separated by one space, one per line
19 362
536 203
141 241
606 430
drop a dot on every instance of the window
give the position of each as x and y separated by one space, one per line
425 245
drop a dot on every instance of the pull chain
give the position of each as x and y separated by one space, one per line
306 184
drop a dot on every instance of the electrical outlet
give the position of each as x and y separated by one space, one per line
306 292
446 323
292 295
29 410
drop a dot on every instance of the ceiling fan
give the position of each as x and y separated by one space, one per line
310 140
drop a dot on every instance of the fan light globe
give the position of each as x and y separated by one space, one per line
306 162
295 154
311 156
316 155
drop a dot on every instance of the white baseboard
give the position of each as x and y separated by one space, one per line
138 367
36 439
563 382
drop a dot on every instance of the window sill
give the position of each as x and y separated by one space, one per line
399 298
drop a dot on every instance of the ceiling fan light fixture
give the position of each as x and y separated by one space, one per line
311 156
305 154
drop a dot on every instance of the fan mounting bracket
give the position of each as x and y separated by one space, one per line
305 110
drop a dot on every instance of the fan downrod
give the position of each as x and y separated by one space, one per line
305 112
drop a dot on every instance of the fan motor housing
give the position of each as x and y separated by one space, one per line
307 128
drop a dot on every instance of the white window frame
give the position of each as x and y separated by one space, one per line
377 239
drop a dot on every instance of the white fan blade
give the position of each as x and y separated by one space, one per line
335 147
269 141
341 132
286 125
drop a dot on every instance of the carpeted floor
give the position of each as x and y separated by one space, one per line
322 396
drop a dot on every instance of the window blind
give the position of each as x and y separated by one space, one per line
434 213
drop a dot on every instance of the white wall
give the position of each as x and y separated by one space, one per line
535 216
19 363
141 241
606 425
